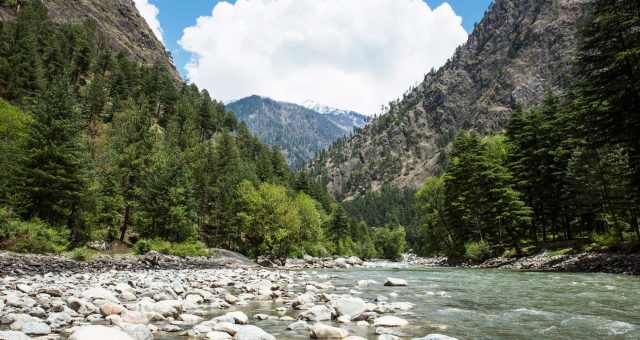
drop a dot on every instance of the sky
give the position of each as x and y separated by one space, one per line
350 54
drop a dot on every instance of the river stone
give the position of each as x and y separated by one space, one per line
239 317
231 299
1 305
189 319
83 307
394 282
135 317
435 336
390 321
389 331
388 337
349 306
402 306
36 328
227 327
171 328
111 308
261 317
138 332
57 320
215 335
317 313
354 337
13 335
194 298
24 288
322 331
300 325
341 263
252 333
100 293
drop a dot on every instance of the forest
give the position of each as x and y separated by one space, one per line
566 171
95 147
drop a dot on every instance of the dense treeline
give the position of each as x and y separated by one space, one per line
567 169
96 147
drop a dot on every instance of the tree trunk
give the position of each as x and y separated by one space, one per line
125 221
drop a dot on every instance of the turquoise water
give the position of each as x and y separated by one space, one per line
491 304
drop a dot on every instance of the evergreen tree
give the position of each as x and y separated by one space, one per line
51 173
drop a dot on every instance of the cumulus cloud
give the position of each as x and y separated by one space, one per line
150 13
355 54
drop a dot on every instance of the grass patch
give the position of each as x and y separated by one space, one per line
182 249
558 252
83 254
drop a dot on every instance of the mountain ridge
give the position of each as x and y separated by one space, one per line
118 21
519 49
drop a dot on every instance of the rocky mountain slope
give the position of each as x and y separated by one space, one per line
298 131
119 22
345 119
520 48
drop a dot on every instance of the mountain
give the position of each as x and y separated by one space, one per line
345 119
298 131
520 48
118 23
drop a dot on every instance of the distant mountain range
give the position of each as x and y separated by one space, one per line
345 119
300 131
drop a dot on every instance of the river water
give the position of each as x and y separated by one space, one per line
490 304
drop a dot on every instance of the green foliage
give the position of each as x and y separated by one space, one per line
33 236
558 252
185 249
477 251
390 242
142 247
82 254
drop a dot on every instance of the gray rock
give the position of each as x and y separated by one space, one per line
252 333
24 288
389 331
349 306
138 332
100 293
57 320
215 335
301 326
395 282
13 335
317 313
99 333
36 328
390 321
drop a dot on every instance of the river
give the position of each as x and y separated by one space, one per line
490 304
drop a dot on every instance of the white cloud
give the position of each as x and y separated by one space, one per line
355 54
150 13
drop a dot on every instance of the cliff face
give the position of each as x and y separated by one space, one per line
520 48
118 21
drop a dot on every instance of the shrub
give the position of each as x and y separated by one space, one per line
558 252
189 249
142 247
607 239
82 254
33 236
161 246
477 251
317 250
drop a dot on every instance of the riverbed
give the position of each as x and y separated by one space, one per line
457 302
488 304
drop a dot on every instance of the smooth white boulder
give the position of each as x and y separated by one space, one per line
99 333
395 282
390 321
322 331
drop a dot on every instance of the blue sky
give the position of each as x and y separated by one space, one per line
175 16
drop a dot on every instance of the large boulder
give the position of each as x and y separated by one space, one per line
13 335
317 313
321 331
435 336
36 328
252 333
349 306
100 293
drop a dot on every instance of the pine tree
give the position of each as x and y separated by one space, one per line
52 170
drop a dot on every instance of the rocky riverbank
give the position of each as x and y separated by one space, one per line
147 301
628 264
